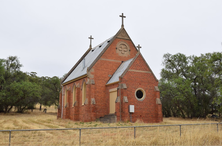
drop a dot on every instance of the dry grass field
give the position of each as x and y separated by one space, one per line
191 135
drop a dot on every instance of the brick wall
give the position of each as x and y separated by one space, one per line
146 110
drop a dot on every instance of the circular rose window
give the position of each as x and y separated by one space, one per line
140 94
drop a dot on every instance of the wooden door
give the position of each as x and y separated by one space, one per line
112 99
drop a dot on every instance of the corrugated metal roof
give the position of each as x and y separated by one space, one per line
119 71
81 68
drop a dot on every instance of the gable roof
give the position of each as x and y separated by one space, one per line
80 68
91 58
119 71
124 67
134 59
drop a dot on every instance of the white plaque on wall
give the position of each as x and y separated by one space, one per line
131 108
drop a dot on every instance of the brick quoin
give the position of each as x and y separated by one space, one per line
137 75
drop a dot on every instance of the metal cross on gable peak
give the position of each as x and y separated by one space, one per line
122 19
90 45
138 46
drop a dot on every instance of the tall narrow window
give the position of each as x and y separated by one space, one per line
66 98
74 95
83 93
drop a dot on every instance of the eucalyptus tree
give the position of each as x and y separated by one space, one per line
50 90
190 85
24 94
11 74
2 71
24 90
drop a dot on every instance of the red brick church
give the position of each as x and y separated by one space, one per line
112 78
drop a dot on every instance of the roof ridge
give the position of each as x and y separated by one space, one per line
102 43
104 50
84 55
111 39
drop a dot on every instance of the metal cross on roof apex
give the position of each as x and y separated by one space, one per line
122 19
90 46
139 47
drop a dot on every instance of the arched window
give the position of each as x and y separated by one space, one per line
83 93
74 95
66 98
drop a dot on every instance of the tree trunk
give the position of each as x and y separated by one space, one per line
9 108
6 109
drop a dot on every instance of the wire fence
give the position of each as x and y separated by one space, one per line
96 135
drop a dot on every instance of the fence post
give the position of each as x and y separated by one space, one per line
180 130
9 138
79 136
134 132
217 127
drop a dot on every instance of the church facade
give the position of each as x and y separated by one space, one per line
111 78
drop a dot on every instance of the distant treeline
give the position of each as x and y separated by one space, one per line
23 90
191 86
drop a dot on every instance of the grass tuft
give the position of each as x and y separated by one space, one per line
191 135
